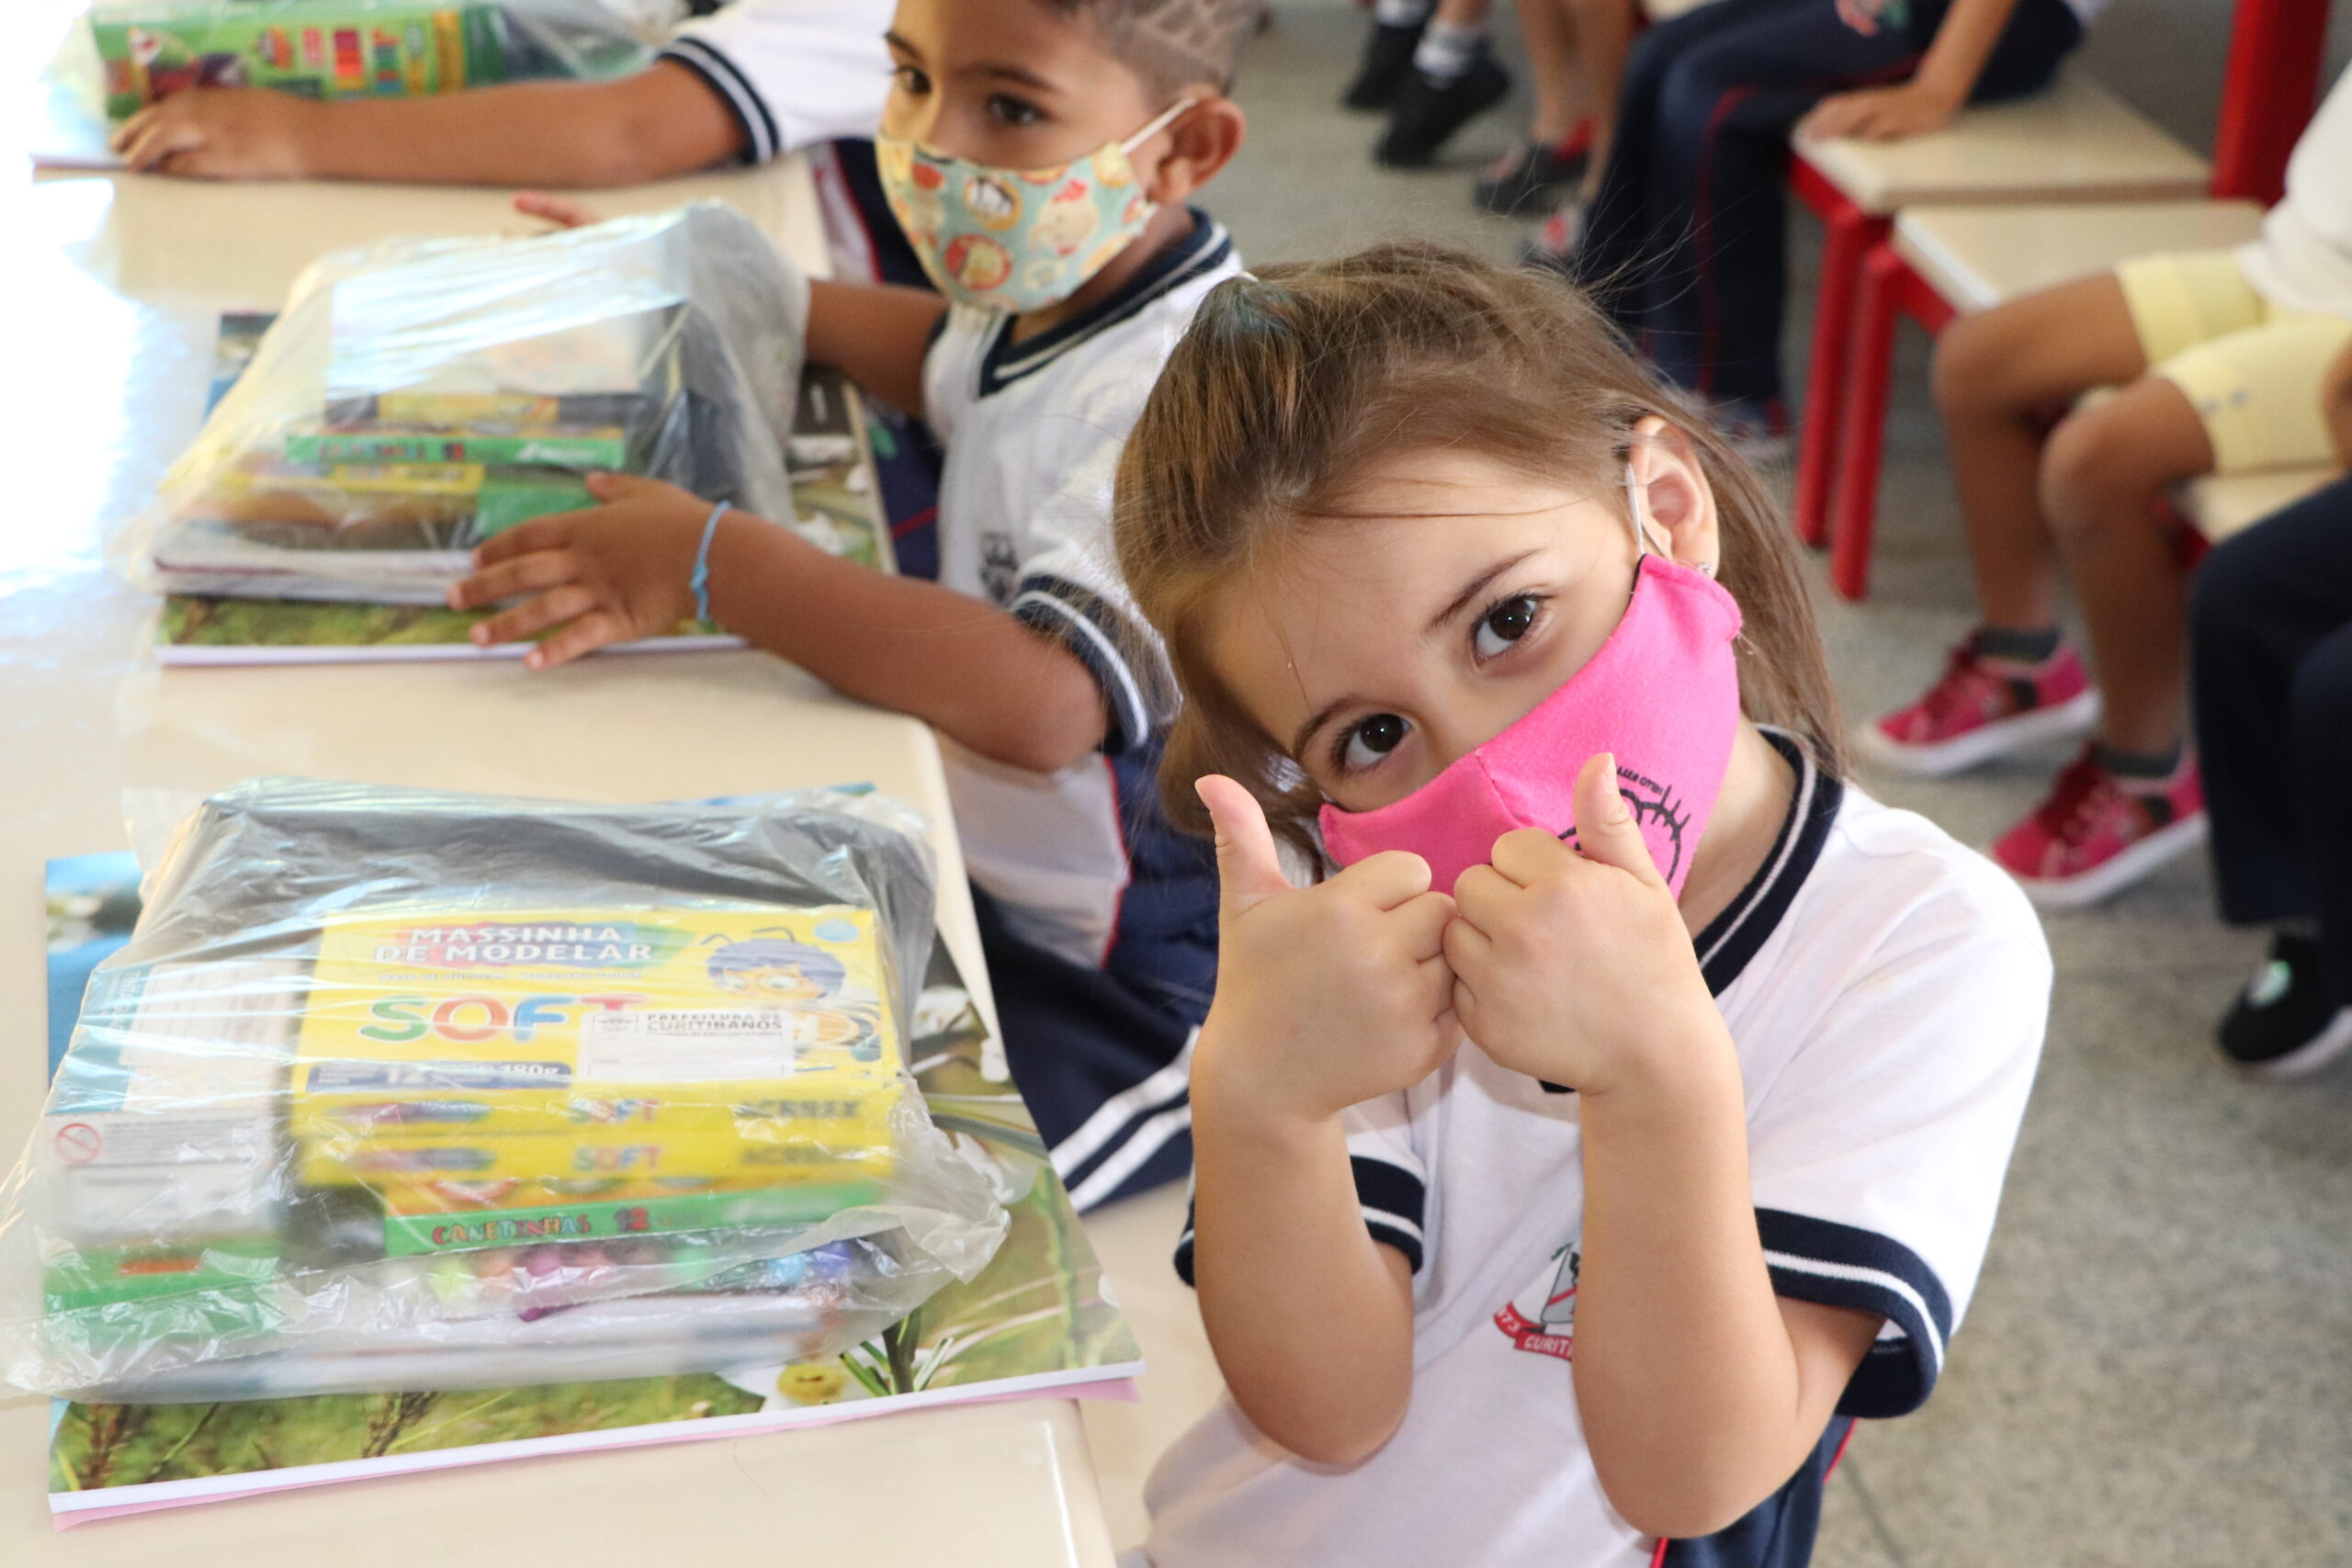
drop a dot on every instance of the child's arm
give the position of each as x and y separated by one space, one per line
1946 74
877 335
660 121
1326 997
1311 1319
1699 1391
619 572
2335 403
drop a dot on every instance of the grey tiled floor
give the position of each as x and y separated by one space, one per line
2157 1369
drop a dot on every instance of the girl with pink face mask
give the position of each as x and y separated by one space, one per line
1615 1105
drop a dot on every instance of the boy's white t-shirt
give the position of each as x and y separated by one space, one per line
1033 432
2303 260
794 73
1886 990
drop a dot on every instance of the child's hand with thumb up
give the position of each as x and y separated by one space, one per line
1326 995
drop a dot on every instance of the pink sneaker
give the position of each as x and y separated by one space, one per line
2095 835
1978 710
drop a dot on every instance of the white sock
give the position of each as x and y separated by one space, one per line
1402 13
1447 51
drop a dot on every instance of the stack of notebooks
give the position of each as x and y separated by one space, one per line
381 498
1036 1320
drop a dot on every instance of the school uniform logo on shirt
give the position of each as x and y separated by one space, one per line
1000 567
1542 1319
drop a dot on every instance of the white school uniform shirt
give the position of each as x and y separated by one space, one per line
1886 990
2303 260
1033 432
793 72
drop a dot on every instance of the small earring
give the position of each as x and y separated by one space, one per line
1706 569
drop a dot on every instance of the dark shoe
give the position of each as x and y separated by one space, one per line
1426 113
1553 243
1387 61
2287 1021
1529 178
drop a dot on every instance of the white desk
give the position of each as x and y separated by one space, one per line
118 282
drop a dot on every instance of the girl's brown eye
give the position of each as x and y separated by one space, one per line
1506 623
1370 739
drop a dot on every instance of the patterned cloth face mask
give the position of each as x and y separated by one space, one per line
1017 240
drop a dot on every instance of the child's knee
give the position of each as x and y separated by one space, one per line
1973 359
2114 451
1692 91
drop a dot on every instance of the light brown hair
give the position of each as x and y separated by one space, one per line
1290 384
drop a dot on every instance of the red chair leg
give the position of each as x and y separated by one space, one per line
1848 234
1854 509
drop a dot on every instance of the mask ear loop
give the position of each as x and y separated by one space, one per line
1635 520
1166 117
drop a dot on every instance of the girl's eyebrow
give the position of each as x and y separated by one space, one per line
1316 721
1472 589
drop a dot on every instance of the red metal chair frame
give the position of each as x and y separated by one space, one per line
1849 235
2269 87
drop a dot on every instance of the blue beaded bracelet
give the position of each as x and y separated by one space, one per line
699 580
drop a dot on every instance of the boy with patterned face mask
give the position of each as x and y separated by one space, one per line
1040 153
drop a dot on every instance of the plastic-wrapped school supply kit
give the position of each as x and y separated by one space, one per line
401 1090
136 52
420 396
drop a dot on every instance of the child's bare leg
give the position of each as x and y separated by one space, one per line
1604 35
2103 483
1549 28
2003 379
1464 12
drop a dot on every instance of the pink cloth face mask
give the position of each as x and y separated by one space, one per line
1662 693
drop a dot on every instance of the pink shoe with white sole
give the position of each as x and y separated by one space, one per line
1978 710
2098 834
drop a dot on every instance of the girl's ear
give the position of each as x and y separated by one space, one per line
1202 140
1678 502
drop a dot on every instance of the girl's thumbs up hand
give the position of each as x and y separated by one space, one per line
1572 965
1326 995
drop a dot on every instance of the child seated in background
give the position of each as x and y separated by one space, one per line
1039 153
2219 357
1550 1201
1683 237
755 81
2270 646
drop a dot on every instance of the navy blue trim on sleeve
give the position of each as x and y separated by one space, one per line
720 75
1845 1265
1083 621
1390 1196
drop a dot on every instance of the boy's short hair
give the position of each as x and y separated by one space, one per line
1170 44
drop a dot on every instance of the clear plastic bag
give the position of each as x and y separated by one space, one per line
131 53
420 396
396 1088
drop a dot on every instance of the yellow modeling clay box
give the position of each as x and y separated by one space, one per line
750 1151
638 1045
